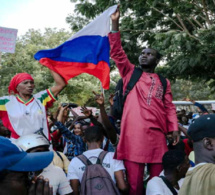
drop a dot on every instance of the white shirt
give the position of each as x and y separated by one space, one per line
76 167
156 186
57 179
26 117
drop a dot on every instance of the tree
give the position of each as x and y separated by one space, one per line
183 30
79 89
193 90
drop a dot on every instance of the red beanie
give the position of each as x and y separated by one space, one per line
18 78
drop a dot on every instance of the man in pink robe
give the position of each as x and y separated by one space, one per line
148 116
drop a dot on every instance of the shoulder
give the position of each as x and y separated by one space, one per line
75 163
52 169
116 164
41 92
7 98
155 180
62 154
155 184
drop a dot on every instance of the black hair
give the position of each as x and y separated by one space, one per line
93 134
173 158
179 146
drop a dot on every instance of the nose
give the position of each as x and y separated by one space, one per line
30 85
144 55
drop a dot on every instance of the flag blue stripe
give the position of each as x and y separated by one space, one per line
85 49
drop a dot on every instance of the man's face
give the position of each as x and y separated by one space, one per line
148 57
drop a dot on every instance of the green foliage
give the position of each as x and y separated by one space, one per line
182 30
79 89
193 90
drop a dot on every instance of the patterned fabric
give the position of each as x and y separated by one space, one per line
147 115
75 143
26 117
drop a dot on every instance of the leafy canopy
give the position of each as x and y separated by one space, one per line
182 30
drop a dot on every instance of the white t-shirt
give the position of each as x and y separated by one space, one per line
57 179
156 186
76 167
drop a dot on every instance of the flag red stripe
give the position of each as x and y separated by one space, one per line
69 70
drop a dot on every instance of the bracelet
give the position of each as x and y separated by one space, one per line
114 31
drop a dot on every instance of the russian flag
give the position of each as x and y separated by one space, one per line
87 51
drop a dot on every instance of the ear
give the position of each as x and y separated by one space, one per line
157 61
17 88
207 143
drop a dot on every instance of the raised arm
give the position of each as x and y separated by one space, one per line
200 106
59 83
117 53
105 120
115 20
93 120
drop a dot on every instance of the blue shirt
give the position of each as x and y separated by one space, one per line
75 143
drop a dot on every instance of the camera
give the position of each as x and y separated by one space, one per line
71 105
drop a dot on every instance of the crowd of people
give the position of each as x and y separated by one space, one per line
147 151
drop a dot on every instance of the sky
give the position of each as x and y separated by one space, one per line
36 14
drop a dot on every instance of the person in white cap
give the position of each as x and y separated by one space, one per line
37 143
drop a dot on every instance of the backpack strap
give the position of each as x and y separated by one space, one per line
101 157
169 185
133 80
59 155
84 160
106 145
164 84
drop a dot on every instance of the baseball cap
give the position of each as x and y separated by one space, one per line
15 159
202 127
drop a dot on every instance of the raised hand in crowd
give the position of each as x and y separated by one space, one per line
111 102
63 114
99 98
76 118
87 112
109 129
111 99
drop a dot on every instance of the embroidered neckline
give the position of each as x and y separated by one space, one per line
23 101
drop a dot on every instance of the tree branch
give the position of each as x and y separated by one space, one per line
182 23
185 28
194 26
197 22
165 16
206 12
